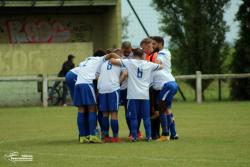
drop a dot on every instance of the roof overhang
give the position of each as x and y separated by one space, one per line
55 3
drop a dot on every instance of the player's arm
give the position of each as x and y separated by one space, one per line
123 76
98 72
97 75
158 67
155 66
158 61
116 62
112 55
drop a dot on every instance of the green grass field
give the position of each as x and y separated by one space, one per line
211 135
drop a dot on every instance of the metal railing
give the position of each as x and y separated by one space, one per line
198 77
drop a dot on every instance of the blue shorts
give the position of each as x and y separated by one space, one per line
70 79
167 93
138 109
109 102
123 97
84 95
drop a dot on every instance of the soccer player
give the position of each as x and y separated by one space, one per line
85 98
147 46
139 72
126 50
164 81
109 89
71 78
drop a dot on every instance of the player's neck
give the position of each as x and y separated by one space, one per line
138 58
161 48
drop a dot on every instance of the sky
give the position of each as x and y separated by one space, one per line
151 20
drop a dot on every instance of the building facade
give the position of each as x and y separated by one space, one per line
36 36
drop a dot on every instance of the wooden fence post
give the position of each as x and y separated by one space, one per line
198 87
45 90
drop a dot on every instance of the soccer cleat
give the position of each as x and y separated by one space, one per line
107 139
94 139
130 136
176 137
139 134
83 139
132 139
163 138
115 140
148 139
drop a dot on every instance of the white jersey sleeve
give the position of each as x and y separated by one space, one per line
163 76
77 69
87 72
165 57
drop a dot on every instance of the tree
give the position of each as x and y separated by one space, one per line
125 24
240 88
197 32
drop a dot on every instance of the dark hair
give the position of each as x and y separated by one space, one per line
158 39
99 53
70 57
138 52
126 44
146 41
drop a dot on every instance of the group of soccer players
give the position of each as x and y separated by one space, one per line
140 79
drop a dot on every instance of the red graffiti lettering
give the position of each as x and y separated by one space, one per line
37 32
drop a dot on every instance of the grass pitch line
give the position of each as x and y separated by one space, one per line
164 159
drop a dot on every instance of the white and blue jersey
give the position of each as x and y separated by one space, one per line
84 89
163 76
108 87
88 70
109 78
71 78
139 73
124 84
163 80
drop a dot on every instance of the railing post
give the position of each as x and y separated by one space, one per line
45 90
219 89
198 87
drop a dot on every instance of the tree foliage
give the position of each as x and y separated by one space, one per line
125 24
197 32
240 88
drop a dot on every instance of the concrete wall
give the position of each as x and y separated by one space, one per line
113 29
23 59
38 40
31 41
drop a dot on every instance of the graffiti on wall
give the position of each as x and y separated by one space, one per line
21 61
37 32
45 30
